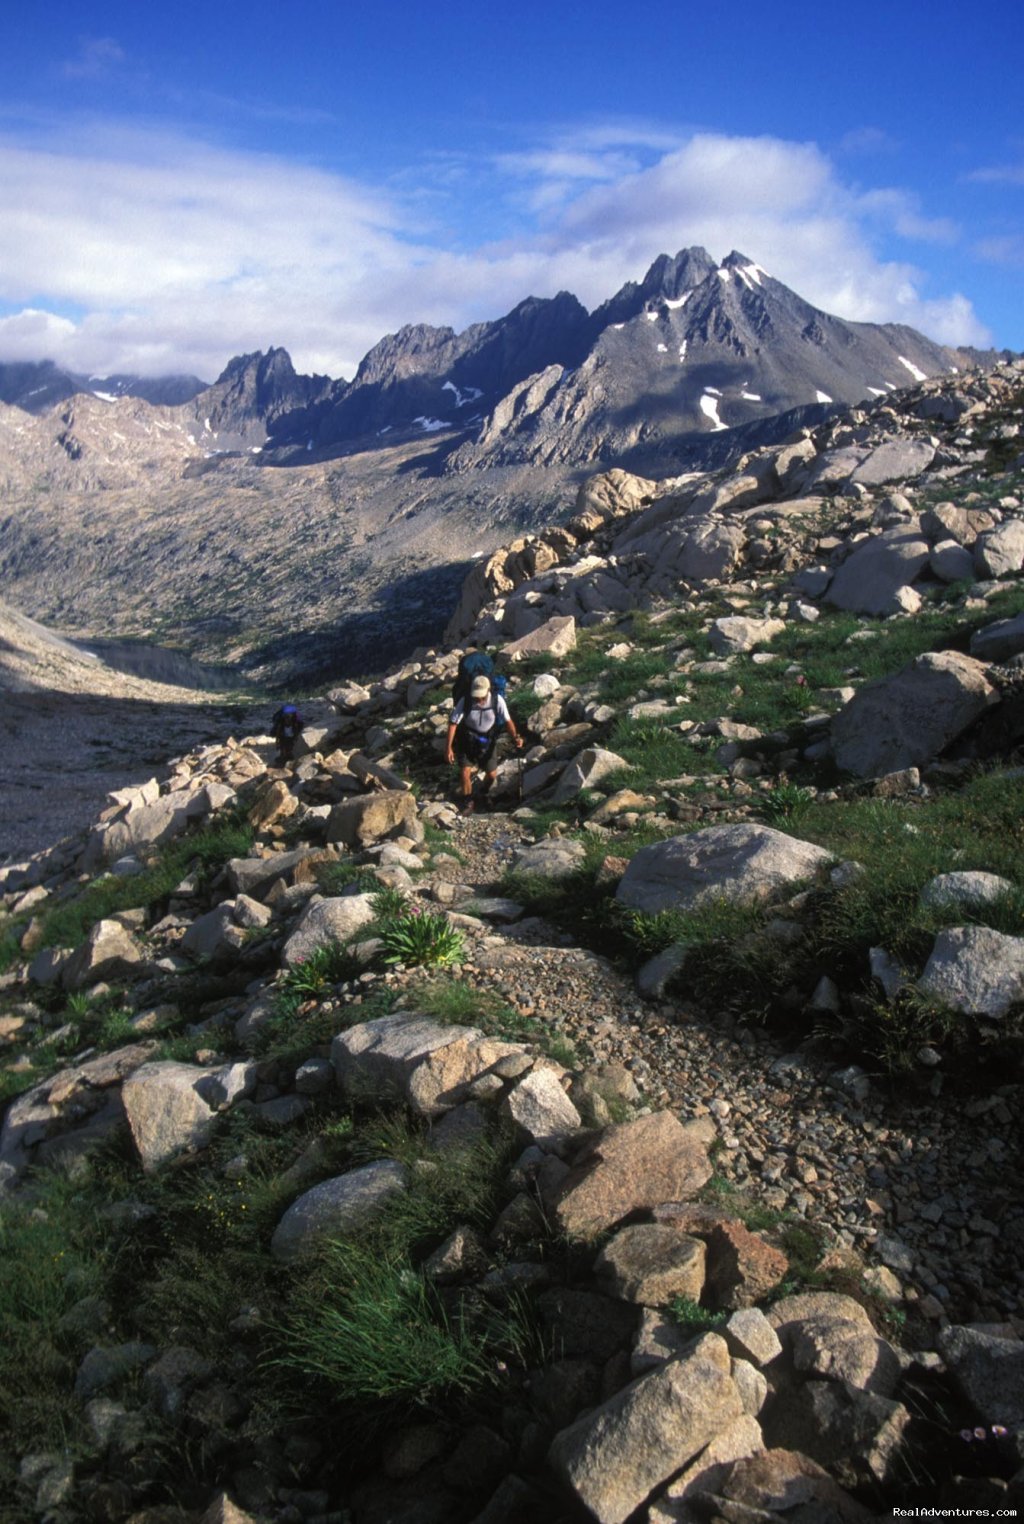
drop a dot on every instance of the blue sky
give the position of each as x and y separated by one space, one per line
184 183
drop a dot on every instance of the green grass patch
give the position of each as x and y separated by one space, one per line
368 1325
204 853
51 1257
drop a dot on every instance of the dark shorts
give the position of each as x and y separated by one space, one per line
471 753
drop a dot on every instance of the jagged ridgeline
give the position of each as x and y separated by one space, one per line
645 1151
297 526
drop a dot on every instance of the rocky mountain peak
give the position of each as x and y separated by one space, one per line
669 278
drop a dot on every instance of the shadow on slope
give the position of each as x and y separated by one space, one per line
62 753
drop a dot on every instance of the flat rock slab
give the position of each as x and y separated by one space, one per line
975 970
628 1167
335 1207
774 1483
735 633
894 461
742 864
553 857
615 1456
64 1101
906 720
557 637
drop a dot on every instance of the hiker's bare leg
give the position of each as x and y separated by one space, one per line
466 775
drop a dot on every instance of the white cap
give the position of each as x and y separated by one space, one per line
479 688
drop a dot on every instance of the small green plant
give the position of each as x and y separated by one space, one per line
786 803
421 938
692 1317
388 902
310 977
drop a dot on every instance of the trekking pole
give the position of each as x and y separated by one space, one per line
519 779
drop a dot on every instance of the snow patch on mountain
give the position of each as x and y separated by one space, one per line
709 407
470 394
914 370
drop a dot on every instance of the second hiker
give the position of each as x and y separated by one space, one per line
473 733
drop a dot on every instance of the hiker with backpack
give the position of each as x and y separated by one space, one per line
473 734
286 727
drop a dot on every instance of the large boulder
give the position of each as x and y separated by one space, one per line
611 495
213 934
711 550
108 952
857 1435
428 1064
988 1370
776 1484
975 970
625 1168
83 1099
144 825
255 876
327 922
907 720
742 1267
370 818
616 1455
586 770
335 1207
650 1263
999 552
167 1111
737 1441
741 864
540 1110
998 642
870 578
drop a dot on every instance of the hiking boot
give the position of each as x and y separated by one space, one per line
467 807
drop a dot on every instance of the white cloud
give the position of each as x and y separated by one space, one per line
178 253
97 58
999 174
1003 249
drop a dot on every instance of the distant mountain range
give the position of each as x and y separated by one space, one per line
692 350
37 385
296 527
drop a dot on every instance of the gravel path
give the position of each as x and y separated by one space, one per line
933 1191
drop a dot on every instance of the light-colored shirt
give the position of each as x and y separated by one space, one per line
481 719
